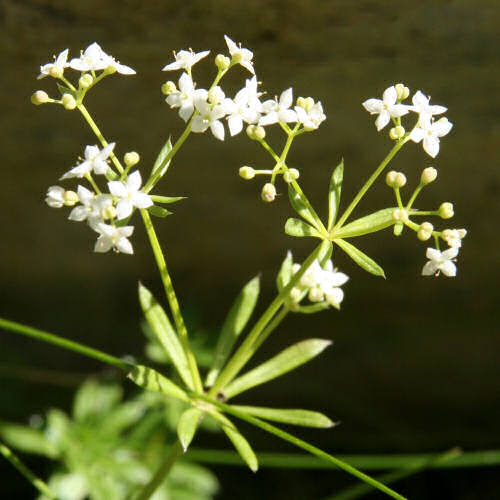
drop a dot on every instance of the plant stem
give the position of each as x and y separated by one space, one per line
271 326
162 472
65 344
172 299
370 181
30 476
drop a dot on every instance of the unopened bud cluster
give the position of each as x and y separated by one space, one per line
395 179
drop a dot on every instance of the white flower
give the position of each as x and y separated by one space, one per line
209 116
54 197
184 98
95 59
111 62
240 55
129 195
430 132
386 108
312 117
55 69
423 108
113 237
440 261
95 160
278 111
185 59
454 237
245 107
92 207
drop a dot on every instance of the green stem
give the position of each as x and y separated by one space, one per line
370 181
162 472
172 299
305 446
272 325
30 476
64 343
414 196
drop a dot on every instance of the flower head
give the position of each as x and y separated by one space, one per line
275 110
310 114
54 196
184 97
429 133
95 59
55 69
95 159
209 115
245 107
240 55
440 261
129 195
386 108
425 110
92 208
185 59
113 237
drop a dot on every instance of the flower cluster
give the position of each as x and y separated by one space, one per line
427 130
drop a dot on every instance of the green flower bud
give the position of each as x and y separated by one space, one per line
390 178
295 294
109 212
85 81
222 62
400 215
268 192
56 71
425 231
287 177
294 173
168 88
446 210
130 159
68 101
402 91
247 173
315 294
429 175
70 198
256 132
305 102
396 132
39 97
400 180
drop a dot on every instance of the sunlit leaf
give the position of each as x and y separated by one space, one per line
300 229
285 272
360 258
287 360
334 194
27 440
166 199
157 211
368 224
299 203
188 423
237 318
165 150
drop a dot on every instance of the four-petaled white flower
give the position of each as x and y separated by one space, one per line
129 195
279 111
240 55
185 59
113 237
95 59
423 108
440 261
184 98
54 198
95 159
312 117
386 108
92 207
429 132
245 107
208 116
55 69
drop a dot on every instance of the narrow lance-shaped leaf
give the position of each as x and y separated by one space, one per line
237 318
239 442
65 90
165 150
334 194
285 272
187 425
166 199
369 224
150 379
165 333
298 202
157 211
285 361
28 440
300 229
361 258
305 418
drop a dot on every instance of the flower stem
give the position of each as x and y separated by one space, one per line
172 299
162 472
64 343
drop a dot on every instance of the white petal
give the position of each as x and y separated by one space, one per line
103 244
335 297
79 213
450 253
269 119
399 110
373 106
124 209
230 45
287 115
142 200
199 124
419 99
286 98
117 188
217 129
235 124
429 269
431 145
186 83
124 246
390 95
134 181
449 268
186 111
442 127
417 134
433 254
125 231
382 120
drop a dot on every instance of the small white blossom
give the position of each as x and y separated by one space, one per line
312 117
113 237
423 108
185 59
440 261
240 55
129 195
92 208
54 197
245 107
429 132
208 116
454 237
386 108
278 111
184 98
95 159
55 69
95 59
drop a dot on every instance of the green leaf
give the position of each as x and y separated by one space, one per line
165 150
188 423
239 442
304 418
93 399
368 224
165 333
27 440
150 379
285 272
285 361
65 90
298 228
157 211
334 194
299 203
237 318
166 199
360 258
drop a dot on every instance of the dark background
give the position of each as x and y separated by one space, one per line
414 366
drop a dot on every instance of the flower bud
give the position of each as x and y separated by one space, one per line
305 102
256 132
168 88
390 178
295 174
287 177
462 233
56 71
295 294
247 173
396 132
70 198
68 101
315 294
85 81
109 212
400 180
222 62
429 175
402 91
268 192
39 97
295 268
446 210
400 215
425 231
131 158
